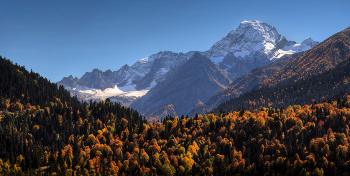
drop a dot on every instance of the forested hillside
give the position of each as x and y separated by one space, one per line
17 84
322 87
38 120
57 137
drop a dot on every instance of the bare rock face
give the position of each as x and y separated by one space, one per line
149 71
235 67
193 83
68 82
96 79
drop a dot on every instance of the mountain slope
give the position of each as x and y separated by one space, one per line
192 84
327 59
18 84
321 87
325 56
234 67
39 123
243 84
147 72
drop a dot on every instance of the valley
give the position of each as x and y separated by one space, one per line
174 88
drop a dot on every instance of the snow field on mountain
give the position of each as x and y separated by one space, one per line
110 92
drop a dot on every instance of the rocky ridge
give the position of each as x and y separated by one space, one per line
252 44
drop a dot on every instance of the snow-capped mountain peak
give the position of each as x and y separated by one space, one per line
309 42
257 31
249 36
255 36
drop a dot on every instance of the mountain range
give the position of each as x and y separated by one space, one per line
253 44
271 124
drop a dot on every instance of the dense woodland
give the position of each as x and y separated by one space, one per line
38 120
44 131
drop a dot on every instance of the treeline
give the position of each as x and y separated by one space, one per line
328 85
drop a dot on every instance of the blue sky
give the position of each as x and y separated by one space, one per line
71 37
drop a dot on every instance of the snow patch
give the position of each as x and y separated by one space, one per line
279 53
144 60
299 47
162 71
228 66
268 47
128 88
68 87
79 87
217 60
139 93
111 92
102 94
153 83
242 54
